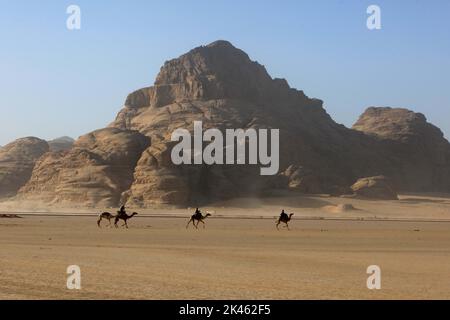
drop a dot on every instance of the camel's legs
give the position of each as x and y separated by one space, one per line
126 224
189 222
201 222
278 223
98 222
287 226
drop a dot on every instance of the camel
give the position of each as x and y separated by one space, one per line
122 215
107 216
197 216
284 218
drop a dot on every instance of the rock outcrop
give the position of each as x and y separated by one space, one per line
95 172
378 187
302 180
418 153
17 160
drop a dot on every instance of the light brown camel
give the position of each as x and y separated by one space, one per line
197 216
121 215
285 219
105 215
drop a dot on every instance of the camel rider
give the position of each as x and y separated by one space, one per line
283 213
197 213
122 210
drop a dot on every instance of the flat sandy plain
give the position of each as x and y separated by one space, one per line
240 254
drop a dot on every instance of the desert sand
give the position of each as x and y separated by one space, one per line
239 255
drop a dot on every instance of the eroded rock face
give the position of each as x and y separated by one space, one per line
17 160
95 172
378 187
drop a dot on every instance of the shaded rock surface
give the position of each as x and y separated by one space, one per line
17 160
61 144
378 187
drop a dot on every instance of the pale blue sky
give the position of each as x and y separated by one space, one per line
58 82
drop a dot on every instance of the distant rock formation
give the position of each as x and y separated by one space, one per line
17 160
418 153
219 85
61 144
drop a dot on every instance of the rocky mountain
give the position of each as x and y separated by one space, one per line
221 86
17 160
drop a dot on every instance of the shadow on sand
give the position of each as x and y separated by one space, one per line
423 200
279 199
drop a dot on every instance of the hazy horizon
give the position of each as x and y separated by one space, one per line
57 82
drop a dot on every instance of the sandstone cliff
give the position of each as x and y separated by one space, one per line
95 171
17 160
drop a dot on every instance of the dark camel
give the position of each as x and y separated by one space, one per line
122 215
284 218
107 216
197 216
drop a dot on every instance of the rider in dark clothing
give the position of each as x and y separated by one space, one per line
122 210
